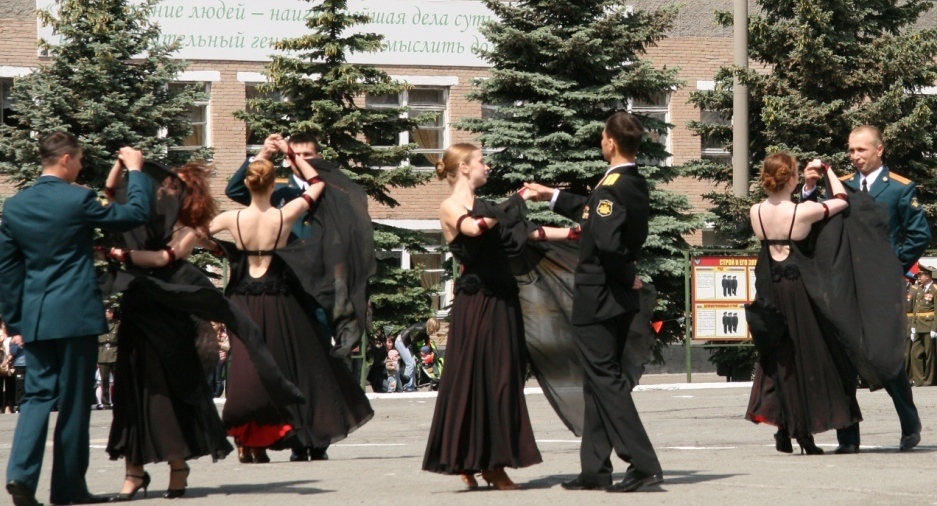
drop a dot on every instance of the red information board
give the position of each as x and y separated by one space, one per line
721 285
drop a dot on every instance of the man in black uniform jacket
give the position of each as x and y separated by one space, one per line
614 221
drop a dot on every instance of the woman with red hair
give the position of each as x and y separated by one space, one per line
163 407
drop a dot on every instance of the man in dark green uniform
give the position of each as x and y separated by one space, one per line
910 235
51 298
912 292
924 328
107 357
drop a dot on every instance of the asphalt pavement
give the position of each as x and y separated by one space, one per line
710 456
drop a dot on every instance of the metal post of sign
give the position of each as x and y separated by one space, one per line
740 103
687 317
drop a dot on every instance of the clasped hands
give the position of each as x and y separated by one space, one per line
814 171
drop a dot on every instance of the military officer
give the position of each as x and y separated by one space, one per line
909 234
614 222
107 357
922 371
51 298
912 291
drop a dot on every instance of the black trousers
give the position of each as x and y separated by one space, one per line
900 391
611 418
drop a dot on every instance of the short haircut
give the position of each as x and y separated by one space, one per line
54 146
304 138
870 129
627 132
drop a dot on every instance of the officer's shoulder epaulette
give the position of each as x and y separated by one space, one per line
846 177
899 178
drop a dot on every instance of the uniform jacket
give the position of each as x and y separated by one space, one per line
107 345
924 310
614 220
908 229
47 279
913 292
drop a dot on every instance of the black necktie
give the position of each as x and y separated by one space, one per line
865 186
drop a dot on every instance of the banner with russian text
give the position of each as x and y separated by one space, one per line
416 32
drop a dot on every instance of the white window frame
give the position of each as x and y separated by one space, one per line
258 80
403 100
206 104
6 91
647 110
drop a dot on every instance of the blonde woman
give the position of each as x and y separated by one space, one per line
481 423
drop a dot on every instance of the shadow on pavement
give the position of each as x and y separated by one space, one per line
279 487
690 477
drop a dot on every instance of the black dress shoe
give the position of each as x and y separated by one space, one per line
846 448
579 484
299 455
22 496
909 442
318 454
635 480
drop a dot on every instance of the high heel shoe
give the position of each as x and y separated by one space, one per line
807 446
260 455
144 484
469 480
244 455
782 442
174 493
499 479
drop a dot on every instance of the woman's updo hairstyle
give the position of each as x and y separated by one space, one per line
198 207
777 170
260 175
448 167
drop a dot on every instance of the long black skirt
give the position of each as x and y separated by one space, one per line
805 388
163 406
335 404
481 419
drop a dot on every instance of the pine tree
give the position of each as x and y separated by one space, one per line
326 98
106 81
559 69
829 66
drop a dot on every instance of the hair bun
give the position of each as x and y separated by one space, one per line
441 169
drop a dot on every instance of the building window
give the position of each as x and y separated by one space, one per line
658 107
712 148
255 140
6 101
430 137
198 118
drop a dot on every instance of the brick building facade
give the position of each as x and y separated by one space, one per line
697 46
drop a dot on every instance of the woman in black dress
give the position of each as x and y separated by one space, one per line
481 421
163 409
803 387
265 286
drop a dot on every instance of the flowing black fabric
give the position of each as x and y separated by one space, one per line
544 273
163 406
341 257
802 385
335 403
161 380
856 287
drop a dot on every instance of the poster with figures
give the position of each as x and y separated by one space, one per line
721 285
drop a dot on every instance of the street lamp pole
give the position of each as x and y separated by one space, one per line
740 103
